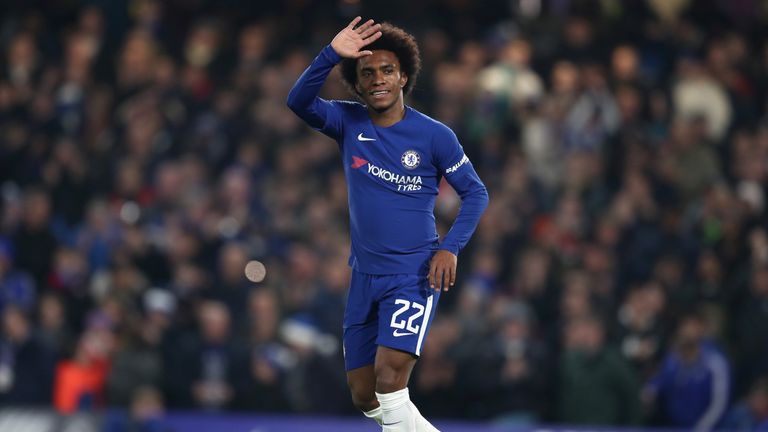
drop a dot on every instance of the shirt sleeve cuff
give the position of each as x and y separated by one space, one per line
331 54
450 248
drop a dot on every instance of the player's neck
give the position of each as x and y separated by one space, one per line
388 117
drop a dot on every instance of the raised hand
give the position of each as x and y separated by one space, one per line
350 40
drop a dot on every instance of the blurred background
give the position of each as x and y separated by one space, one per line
619 277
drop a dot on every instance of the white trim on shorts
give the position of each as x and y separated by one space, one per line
424 324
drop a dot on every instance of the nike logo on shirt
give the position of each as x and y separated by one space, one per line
398 334
362 138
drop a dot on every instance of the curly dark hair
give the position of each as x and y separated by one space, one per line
394 39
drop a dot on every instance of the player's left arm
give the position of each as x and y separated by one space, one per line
461 175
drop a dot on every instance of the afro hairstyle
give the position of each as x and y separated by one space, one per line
394 39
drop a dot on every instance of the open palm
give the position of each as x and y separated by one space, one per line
350 40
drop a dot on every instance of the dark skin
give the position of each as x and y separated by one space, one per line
380 83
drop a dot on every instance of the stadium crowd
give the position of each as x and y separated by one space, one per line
618 277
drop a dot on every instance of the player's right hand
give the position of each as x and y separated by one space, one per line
350 40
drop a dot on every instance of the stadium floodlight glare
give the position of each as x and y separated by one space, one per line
255 271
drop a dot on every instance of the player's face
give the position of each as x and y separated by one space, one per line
380 81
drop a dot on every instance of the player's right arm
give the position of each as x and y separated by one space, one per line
303 98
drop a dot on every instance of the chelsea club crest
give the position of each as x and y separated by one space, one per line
410 159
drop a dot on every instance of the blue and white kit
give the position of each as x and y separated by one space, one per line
393 174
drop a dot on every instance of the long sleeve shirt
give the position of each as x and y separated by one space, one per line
393 174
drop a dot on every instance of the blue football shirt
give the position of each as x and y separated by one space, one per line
393 174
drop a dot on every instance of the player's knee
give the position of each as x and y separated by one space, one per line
390 379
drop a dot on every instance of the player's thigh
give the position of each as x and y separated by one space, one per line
397 360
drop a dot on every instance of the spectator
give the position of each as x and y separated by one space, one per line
34 243
26 364
204 367
521 364
750 414
597 386
692 387
80 381
146 414
54 329
641 333
697 95
594 115
313 373
270 360
752 328
137 361
230 286
504 86
16 287
692 160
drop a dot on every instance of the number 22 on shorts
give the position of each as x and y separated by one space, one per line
410 328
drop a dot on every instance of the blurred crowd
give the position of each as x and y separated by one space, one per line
619 275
